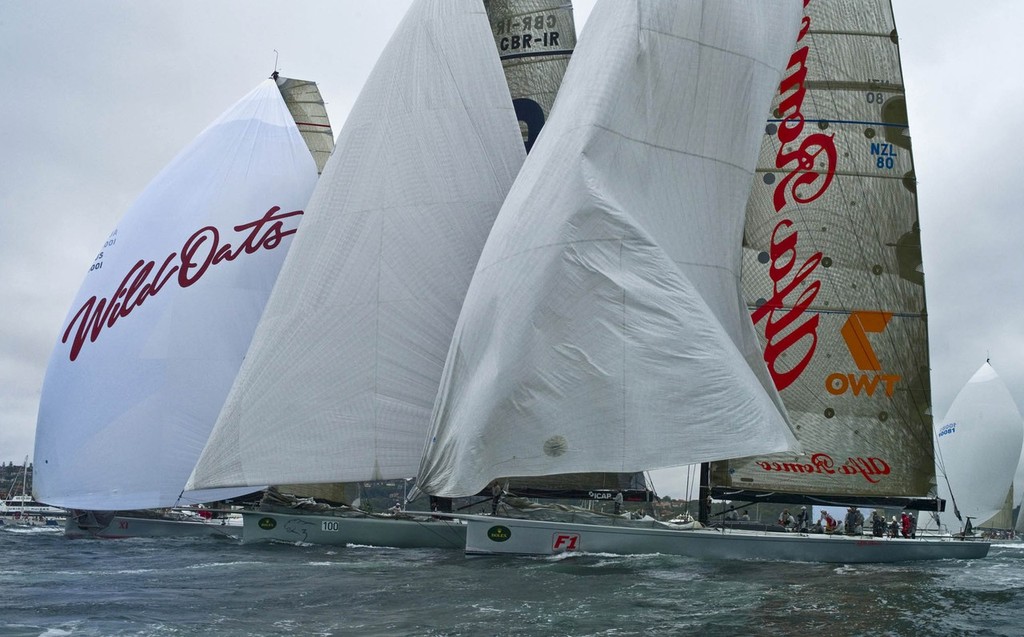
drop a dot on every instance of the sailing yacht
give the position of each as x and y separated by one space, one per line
163 319
608 326
979 446
19 509
341 376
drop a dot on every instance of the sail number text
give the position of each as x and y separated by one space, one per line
885 155
529 23
98 261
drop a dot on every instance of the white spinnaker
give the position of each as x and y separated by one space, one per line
343 370
185 280
603 329
979 445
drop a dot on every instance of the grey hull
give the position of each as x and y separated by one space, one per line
313 528
496 536
127 526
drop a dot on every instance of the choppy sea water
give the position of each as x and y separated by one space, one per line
53 586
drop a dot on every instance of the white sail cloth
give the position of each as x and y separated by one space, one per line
159 328
603 329
979 445
343 370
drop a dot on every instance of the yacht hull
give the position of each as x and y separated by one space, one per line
128 526
507 536
315 528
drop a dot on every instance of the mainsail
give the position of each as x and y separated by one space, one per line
535 39
304 102
344 367
603 329
832 268
979 444
163 319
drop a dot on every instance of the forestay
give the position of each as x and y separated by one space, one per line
158 330
832 267
603 329
345 365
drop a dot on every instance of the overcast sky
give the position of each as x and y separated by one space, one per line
98 96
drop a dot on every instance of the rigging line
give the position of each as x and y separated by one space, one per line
945 478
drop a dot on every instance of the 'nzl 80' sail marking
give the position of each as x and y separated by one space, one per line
886 154
794 186
199 252
855 332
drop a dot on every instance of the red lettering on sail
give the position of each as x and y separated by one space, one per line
200 251
783 256
803 172
871 469
803 183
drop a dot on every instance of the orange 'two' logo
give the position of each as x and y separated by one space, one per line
855 333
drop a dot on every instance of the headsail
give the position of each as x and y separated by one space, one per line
603 329
832 267
344 368
979 445
162 321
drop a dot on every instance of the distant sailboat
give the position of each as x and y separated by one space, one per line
344 367
19 510
603 329
979 446
163 319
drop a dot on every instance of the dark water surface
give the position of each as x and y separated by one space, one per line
53 586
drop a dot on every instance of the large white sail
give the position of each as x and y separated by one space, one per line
603 329
979 444
159 328
832 267
343 370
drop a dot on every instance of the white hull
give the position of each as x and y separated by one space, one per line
535 537
314 528
25 520
126 526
